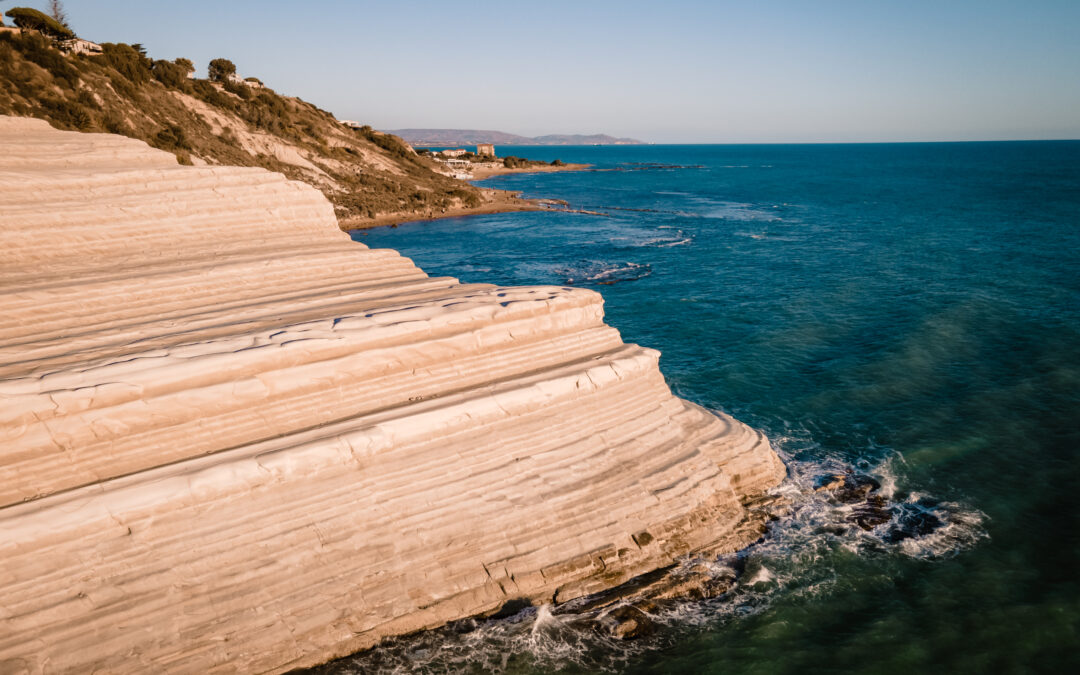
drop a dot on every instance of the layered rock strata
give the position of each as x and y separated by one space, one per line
233 440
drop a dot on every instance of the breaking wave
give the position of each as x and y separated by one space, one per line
678 239
603 274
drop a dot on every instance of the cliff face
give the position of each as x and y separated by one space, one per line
365 174
233 439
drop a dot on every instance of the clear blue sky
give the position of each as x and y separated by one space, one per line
675 71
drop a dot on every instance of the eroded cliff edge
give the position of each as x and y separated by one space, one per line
232 439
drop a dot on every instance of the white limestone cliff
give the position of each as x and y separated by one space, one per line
234 440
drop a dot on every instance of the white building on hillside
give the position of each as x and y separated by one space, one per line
81 46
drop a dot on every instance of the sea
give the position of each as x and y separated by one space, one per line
906 311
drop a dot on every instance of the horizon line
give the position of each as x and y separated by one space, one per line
632 145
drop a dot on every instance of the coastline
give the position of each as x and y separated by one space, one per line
501 202
284 366
497 201
482 173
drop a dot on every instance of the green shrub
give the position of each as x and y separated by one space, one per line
172 75
220 70
36 49
470 199
114 124
121 85
241 90
127 60
66 114
31 19
87 100
310 130
172 137
557 162
210 94
267 111
392 144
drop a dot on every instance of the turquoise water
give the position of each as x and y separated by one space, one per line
909 310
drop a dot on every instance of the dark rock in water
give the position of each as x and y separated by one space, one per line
829 483
511 607
647 606
624 612
463 626
711 587
638 587
869 518
856 488
873 512
628 622
870 510
911 524
847 488
698 583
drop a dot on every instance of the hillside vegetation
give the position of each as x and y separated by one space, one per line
365 173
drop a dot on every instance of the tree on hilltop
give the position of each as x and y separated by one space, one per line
56 11
186 64
221 69
31 19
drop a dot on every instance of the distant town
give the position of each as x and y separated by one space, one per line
465 164
461 160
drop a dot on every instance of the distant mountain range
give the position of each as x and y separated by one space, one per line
447 137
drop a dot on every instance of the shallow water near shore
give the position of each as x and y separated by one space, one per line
911 311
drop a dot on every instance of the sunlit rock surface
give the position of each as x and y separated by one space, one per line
232 439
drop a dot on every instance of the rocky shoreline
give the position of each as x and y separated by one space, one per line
639 609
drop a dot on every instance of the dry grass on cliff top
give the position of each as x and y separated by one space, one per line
367 175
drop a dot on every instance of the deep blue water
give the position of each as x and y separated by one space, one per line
912 310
